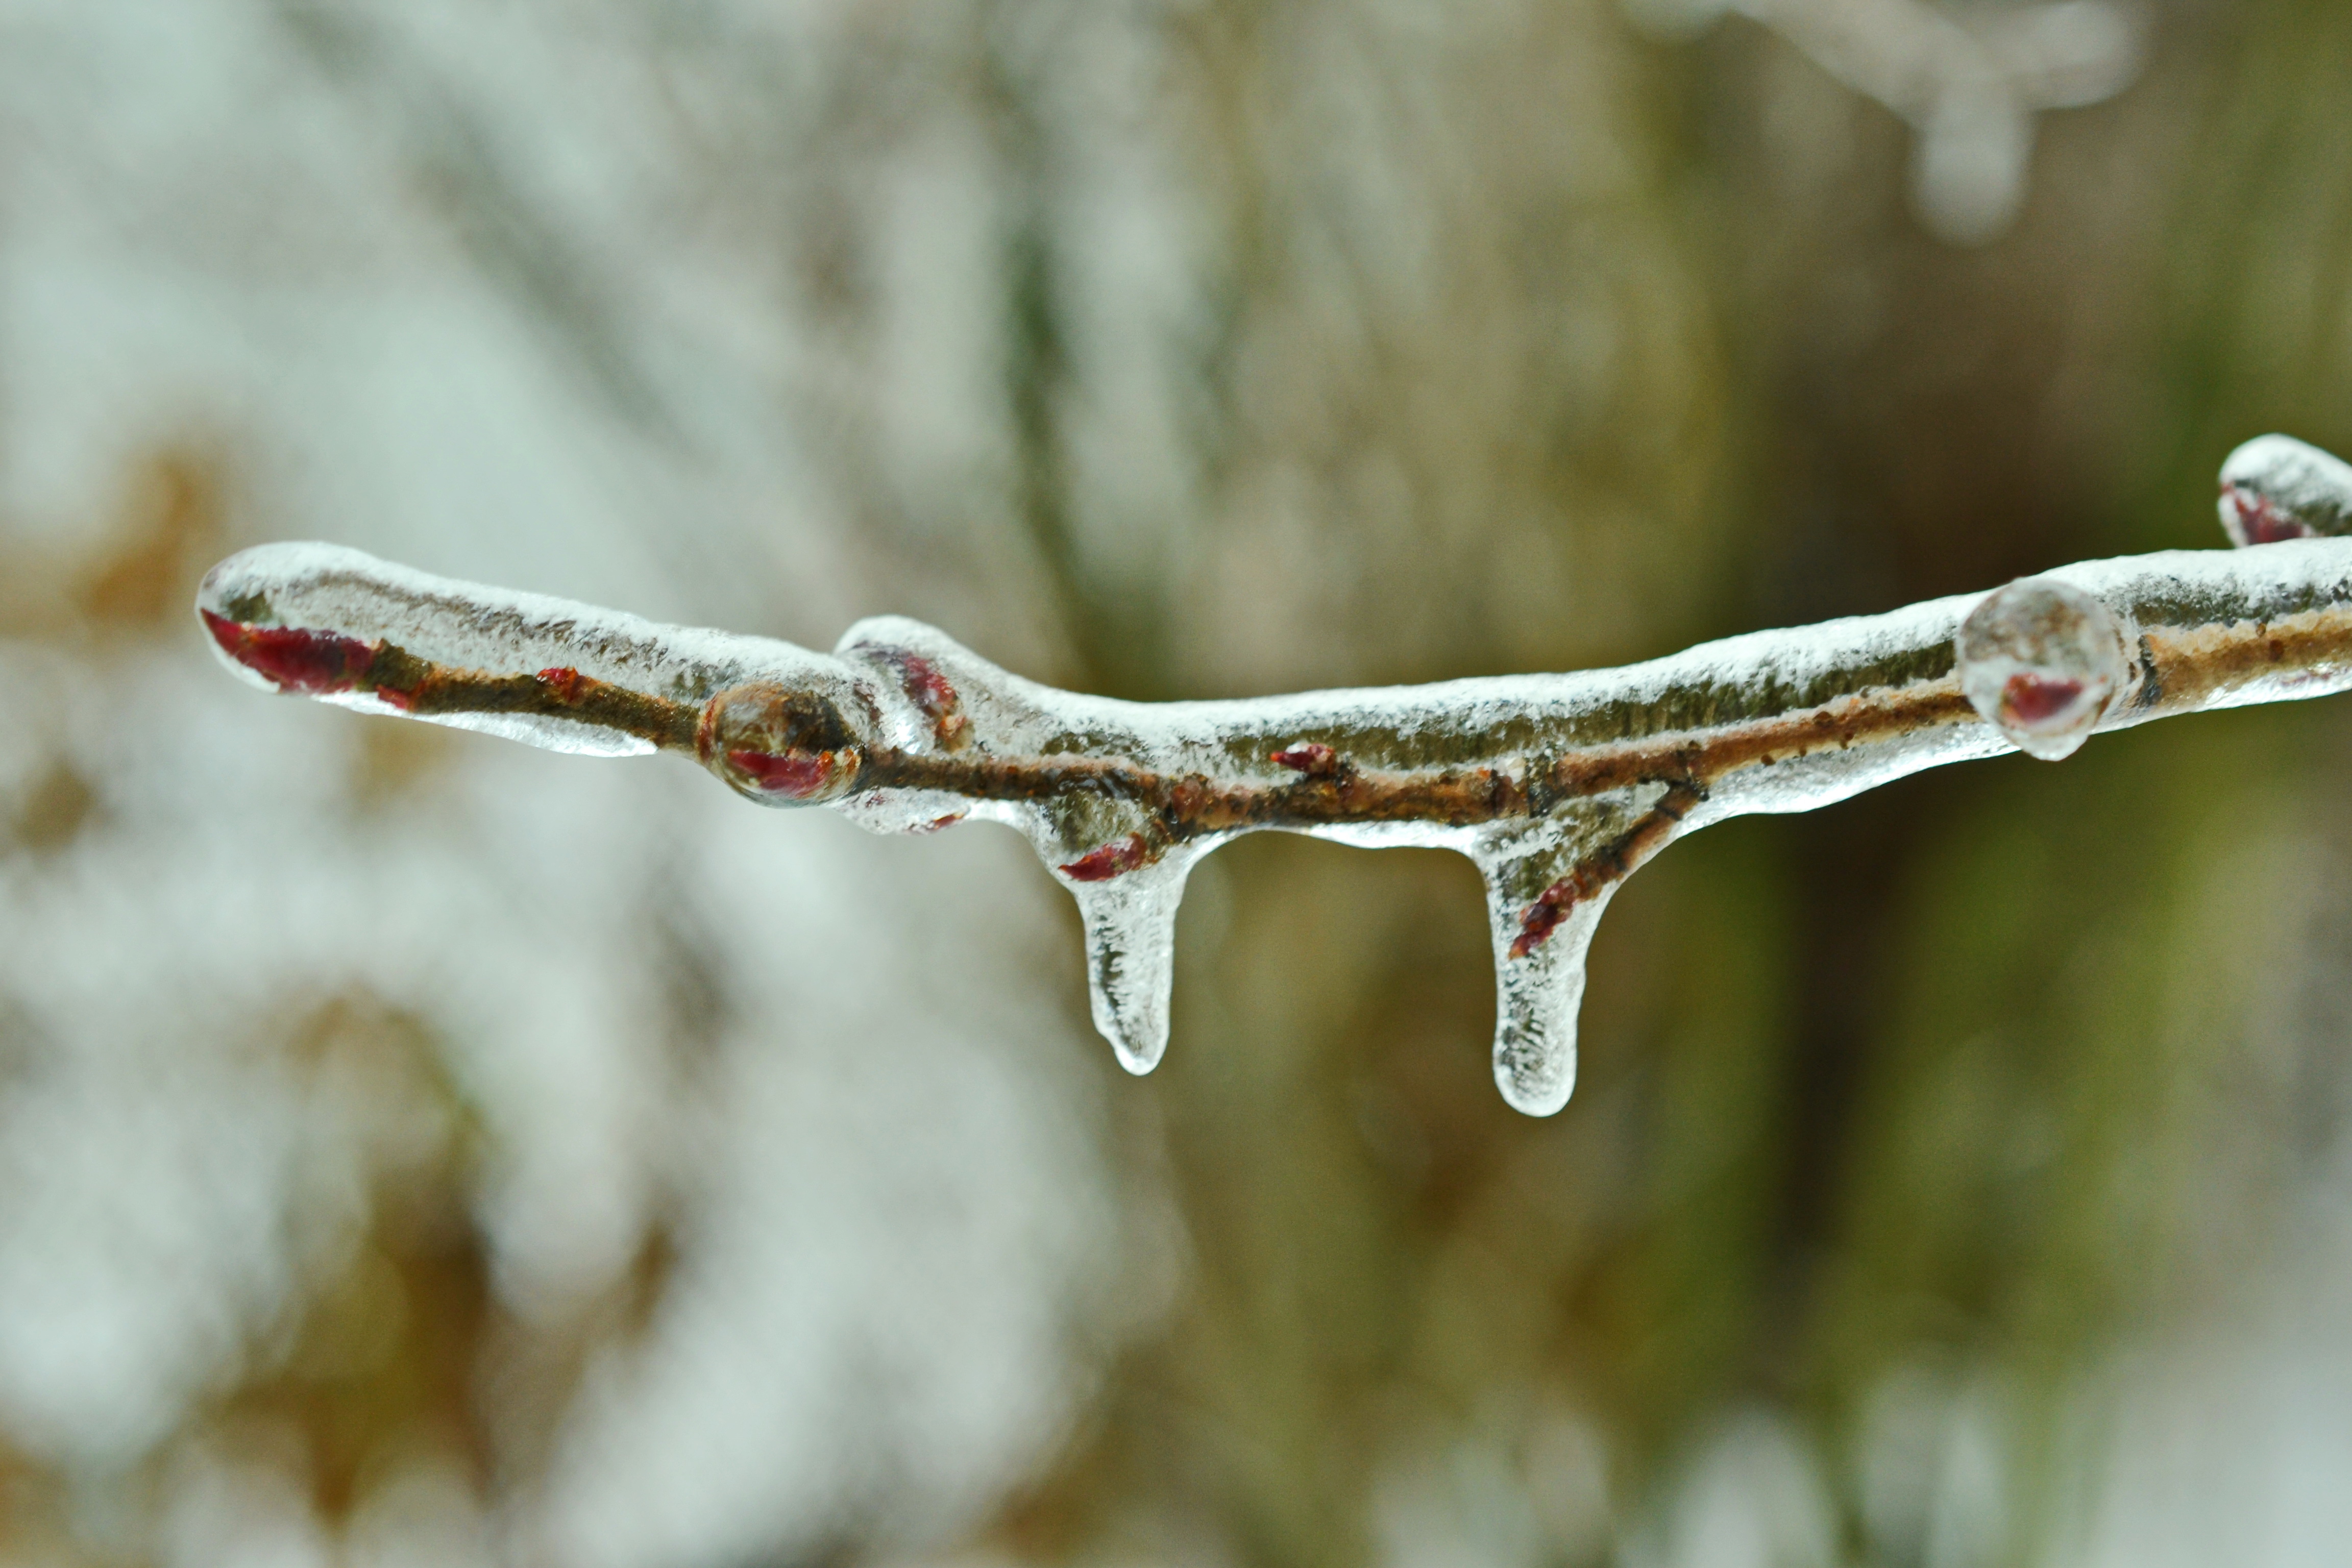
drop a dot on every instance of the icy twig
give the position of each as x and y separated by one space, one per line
1557 786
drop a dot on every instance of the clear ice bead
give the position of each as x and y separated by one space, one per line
2041 660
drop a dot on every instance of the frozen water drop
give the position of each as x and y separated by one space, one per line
2041 660
1130 920
2276 487
778 745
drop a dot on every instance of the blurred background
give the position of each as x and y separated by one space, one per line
417 1148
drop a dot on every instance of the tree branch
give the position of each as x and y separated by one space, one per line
1559 786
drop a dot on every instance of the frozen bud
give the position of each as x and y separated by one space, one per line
293 658
778 745
2275 487
932 693
1115 858
2041 661
1312 758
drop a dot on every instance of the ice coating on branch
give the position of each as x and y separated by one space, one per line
2276 488
1559 786
945 704
347 628
2041 660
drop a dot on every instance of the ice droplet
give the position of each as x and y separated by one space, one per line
772 743
1130 920
2276 487
2041 660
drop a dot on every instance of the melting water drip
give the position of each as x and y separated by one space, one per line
2041 660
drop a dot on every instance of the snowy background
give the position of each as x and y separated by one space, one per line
416 1149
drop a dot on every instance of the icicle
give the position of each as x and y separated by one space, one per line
1130 917
1546 884
2041 660
2276 487
1539 987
